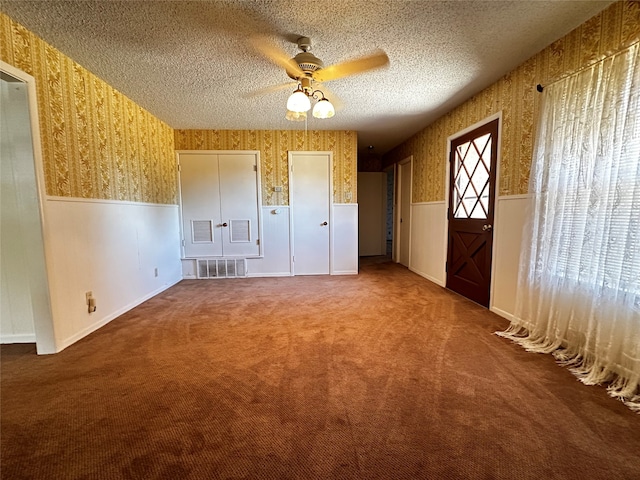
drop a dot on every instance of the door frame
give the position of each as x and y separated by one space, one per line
290 154
397 238
447 189
44 322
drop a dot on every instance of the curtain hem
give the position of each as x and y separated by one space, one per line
585 368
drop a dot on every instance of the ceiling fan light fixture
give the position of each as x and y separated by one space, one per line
323 109
298 102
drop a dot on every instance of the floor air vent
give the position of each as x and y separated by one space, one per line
222 267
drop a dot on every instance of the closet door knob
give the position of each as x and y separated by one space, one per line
324 224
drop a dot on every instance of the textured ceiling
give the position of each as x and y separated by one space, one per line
191 64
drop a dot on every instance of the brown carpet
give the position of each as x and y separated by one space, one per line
383 375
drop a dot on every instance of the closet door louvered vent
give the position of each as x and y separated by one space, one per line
240 230
202 231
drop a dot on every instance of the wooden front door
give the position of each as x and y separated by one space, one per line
471 210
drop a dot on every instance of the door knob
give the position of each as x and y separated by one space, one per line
224 224
324 224
487 228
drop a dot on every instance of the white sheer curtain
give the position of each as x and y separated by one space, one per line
579 281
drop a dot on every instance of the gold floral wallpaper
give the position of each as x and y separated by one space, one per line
96 142
515 95
274 146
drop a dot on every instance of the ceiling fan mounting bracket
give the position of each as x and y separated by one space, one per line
304 44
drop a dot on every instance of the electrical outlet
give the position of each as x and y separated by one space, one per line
155 271
91 302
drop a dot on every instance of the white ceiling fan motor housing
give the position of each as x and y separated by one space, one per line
306 60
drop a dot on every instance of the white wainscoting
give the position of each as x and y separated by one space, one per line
111 249
429 241
276 238
344 239
507 238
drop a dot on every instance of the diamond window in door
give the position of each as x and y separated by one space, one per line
471 181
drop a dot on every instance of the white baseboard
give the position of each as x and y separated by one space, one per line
429 277
13 338
502 313
92 328
270 274
345 272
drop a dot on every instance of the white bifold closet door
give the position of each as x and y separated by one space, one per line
219 204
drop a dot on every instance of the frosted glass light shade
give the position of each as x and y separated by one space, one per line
298 102
295 116
323 109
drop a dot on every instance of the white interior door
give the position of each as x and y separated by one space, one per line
239 204
404 212
310 180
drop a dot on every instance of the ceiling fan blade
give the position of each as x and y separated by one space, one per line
270 89
375 60
276 55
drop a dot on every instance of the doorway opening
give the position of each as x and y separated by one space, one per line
402 239
26 310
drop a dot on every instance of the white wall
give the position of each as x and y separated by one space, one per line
23 282
112 249
344 239
428 241
510 218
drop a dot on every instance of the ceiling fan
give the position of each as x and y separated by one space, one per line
309 73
